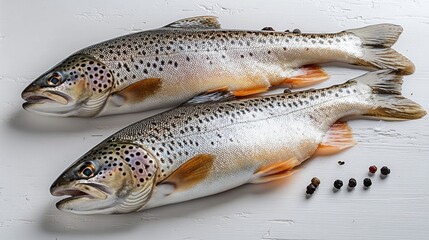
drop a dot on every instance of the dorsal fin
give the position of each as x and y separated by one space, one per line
201 22
220 95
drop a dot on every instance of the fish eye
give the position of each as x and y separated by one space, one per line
54 79
87 170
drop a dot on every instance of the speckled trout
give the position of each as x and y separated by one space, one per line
202 149
170 65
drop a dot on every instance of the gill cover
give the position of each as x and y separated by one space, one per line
143 168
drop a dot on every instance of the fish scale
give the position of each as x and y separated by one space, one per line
170 65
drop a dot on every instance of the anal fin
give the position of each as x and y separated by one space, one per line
338 138
307 75
275 171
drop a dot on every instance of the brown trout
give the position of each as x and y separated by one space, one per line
202 149
170 65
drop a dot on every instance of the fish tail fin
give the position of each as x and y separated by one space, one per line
386 100
376 43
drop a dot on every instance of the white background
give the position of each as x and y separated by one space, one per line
35 35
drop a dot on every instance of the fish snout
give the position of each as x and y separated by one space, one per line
29 91
59 184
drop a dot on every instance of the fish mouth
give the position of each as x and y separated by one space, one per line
80 191
85 198
45 97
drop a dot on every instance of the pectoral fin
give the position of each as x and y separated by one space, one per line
136 92
274 171
338 138
190 173
307 76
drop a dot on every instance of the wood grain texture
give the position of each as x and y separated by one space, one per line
35 35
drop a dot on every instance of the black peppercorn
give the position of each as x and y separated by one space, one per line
367 182
385 170
352 182
338 184
310 189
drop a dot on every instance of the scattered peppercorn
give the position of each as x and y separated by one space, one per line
315 181
352 182
367 182
373 169
385 170
341 162
338 184
296 30
310 189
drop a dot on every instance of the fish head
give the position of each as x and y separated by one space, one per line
111 178
77 86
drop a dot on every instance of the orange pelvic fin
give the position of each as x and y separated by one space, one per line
274 171
307 76
221 89
250 91
338 138
191 173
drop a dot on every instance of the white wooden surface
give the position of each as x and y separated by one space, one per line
35 35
